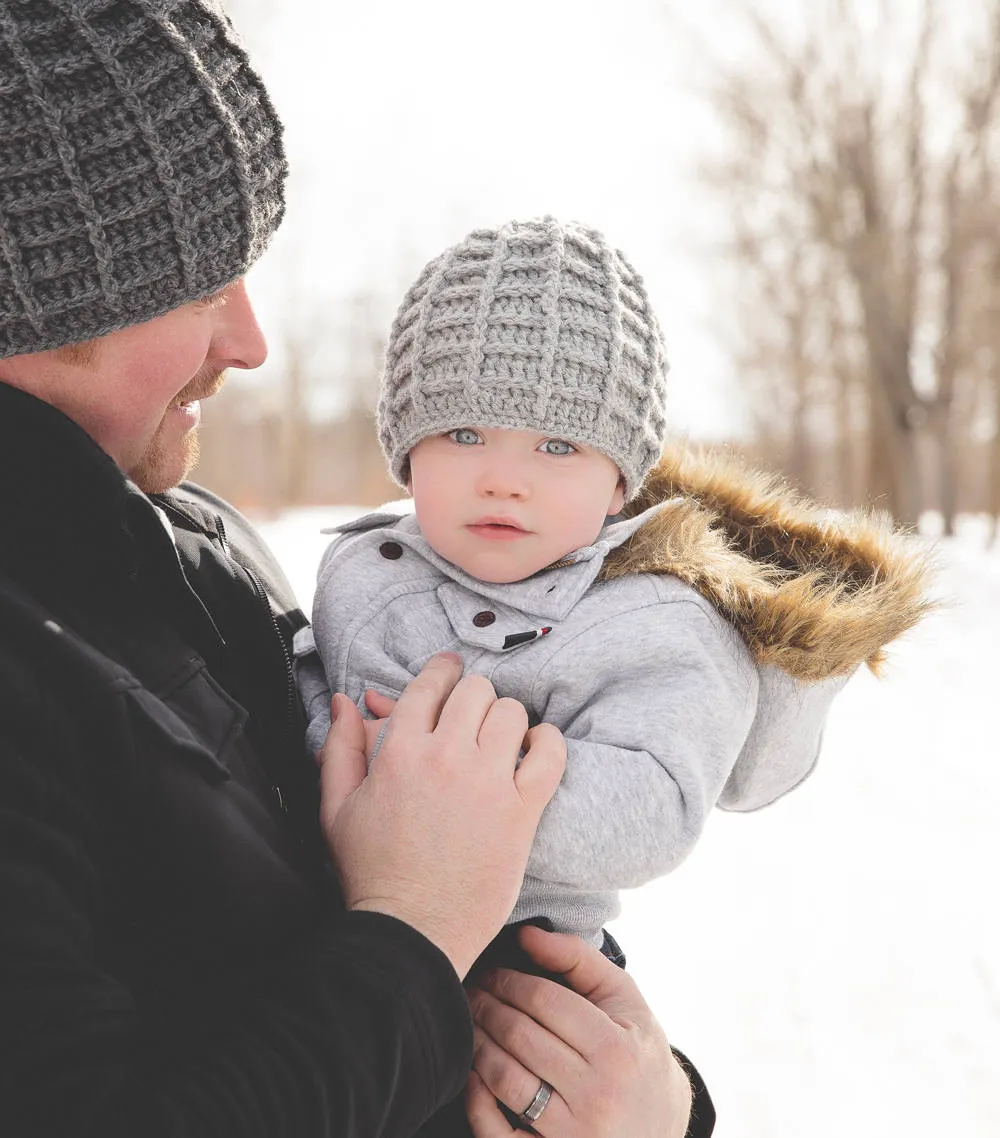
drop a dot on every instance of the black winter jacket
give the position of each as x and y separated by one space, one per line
175 958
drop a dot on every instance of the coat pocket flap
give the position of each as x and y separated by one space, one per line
197 720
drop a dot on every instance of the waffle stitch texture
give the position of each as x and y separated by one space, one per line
141 164
537 325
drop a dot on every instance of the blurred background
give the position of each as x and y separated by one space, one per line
811 189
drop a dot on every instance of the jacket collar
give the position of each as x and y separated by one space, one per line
549 594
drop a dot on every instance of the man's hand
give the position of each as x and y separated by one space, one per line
599 1047
438 833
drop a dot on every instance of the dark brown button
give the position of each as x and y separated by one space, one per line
484 619
390 550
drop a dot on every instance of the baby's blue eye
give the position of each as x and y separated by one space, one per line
557 446
464 436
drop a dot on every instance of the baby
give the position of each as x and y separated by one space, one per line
684 623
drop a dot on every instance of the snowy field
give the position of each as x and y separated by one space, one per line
833 963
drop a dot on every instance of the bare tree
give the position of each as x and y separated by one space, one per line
860 177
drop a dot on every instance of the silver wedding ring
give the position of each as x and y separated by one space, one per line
532 1112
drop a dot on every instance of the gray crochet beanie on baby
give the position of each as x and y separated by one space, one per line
537 325
141 164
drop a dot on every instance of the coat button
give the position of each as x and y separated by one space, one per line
390 550
484 619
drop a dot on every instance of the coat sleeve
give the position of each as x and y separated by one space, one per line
356 1027
314 691
314 648
655 705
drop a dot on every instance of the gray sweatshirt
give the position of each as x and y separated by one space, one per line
665 711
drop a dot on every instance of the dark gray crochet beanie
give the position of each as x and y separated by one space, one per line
537 325
141 164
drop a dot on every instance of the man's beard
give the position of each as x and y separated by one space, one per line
162 467
167 461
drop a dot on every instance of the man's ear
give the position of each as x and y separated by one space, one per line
617 498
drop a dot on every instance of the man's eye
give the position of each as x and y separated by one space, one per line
465 436
557 446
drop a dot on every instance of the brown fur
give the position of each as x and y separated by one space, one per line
812 591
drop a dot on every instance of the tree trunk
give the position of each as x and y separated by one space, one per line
879 492
271 439
848 489
947 475
994 476
909 481
894 474
799 460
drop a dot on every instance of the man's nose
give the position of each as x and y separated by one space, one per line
239 341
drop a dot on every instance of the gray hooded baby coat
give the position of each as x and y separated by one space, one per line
680 681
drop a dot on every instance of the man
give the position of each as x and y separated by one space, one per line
177 956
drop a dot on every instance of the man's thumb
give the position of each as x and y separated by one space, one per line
342 764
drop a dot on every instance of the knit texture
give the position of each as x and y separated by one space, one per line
537 325
141 164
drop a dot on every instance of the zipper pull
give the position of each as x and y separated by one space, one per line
220 530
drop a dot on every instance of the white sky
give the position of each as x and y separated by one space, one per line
410 123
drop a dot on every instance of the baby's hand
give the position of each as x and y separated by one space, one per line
378 704
381 707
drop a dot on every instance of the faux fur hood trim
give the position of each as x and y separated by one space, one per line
813 592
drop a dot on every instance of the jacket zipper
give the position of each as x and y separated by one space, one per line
262 597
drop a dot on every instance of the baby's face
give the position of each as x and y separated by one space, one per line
503 504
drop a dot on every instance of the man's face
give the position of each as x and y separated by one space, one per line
503 504
136 392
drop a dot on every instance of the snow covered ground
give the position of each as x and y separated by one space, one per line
833 963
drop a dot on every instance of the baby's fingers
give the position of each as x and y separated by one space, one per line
378 704
542 765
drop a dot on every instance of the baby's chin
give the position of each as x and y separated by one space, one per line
499 574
